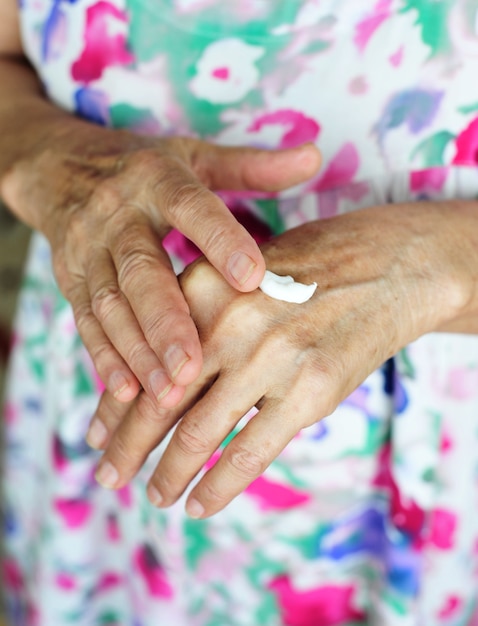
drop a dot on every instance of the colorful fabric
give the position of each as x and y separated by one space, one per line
367 517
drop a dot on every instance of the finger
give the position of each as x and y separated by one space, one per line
107 417
133 436
111 367
110 414
114 313
204 219
245 458
246 168
145 276
198 435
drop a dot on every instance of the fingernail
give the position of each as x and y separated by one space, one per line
194 509
154 496
97 434
117 383
175 358
107 475
241 267
160 384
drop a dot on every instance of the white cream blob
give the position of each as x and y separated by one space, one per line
286 288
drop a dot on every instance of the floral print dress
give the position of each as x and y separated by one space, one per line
368 516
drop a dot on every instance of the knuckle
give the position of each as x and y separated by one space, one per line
146 160
210 494
165 322
190 437
145 413
103 355
133 265
247 463
136 354
125 450
106 197
185 199
105 300
130 447
84 318
150 416
77 225
217 237
155 325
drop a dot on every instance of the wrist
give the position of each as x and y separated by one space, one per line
462 246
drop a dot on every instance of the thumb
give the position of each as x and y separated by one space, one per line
239 168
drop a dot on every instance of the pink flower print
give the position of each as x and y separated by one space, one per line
147 564
105 42
74 513
450 608
221 73
113 531
474 619
446 442
443 525
396 58
340 170
466 144
12 575
125 496
358 85
65 582
226 71
60 462
181 247
272 496
463 383
109 580
406 515
327 605
254 226
366 28
10 413
430 180
212 461
298 128
99 384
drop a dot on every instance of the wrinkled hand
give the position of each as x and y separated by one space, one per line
385 276
112 197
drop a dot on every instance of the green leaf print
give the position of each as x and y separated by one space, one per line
468 108
431 150
432 16
83 382
198 542
271 216
156 31
126 116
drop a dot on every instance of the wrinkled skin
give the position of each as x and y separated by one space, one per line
385 276
105 199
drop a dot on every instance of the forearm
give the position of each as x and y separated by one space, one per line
26 120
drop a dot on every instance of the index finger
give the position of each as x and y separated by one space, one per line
147 279
203 218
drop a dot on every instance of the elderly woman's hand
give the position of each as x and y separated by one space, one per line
385 276
105 199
